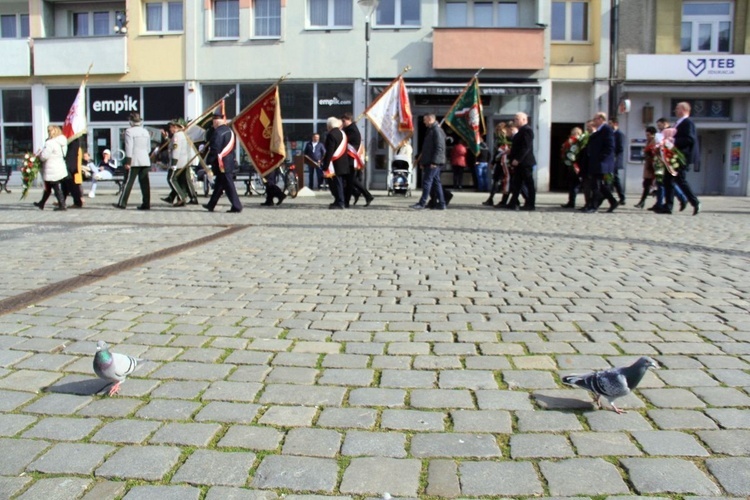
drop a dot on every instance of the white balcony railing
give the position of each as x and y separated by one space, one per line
16 57
72 56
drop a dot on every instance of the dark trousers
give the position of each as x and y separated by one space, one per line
224 181
358 186
69 187
336 185
273 191
458 177
142 174
430 178
575 186
523 178
315 173
647 183
601 190
49 187
679 181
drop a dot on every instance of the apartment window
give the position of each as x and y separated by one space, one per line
330 13
14 26
481 14
570 21
163 17
226 18
706 27
97 23
15 126
398 13
267 16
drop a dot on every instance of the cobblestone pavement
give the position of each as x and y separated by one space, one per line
316 353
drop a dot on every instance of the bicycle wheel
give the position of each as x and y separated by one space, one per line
291 183
257 185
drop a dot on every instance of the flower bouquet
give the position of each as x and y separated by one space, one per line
667 158
572 149
29 171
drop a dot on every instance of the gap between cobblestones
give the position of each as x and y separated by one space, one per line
26 299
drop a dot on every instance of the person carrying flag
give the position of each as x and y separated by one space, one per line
222 161
181 157
356 162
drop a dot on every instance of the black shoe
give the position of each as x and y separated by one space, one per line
143 207
515 207
234 211
568 205
683 205
528 208
622 200
356 199
488 202
205 205
500 204
333 206
417 206
268 203
180 203
697 208
638 205
368 201
194 201
167 199
655 208
662 210
612 207
589 210
117 205
38 205
281 198
59 209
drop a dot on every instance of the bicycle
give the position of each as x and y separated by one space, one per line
289 178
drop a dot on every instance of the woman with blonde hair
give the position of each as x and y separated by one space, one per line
54 168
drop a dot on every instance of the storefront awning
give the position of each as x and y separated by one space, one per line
455 89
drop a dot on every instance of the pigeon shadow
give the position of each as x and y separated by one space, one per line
559 403
84 387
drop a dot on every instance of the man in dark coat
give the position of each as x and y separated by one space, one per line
601 153
522 160
314 152
221 159
71 185
619 159
432 161
356 186
337 159
686 140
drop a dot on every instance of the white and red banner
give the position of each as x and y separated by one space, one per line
260 131
390 114
75 123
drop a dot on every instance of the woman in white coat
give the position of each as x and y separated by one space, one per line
54 169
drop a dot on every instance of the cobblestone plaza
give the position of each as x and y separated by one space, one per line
298 352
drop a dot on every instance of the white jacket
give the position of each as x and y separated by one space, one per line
137 146
53 159
181 150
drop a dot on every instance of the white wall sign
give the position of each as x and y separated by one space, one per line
688 67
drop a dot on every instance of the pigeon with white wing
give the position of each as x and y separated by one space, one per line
113 367
612 383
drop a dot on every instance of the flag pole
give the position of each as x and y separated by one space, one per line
460 94
276 84
403 72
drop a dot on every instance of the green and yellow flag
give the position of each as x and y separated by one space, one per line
465 116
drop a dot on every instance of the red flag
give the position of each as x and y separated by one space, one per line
260 131
75 123
390 113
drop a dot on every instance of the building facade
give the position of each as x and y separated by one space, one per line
695 51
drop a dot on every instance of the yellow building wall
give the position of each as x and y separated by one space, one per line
581 52
152 58
668 26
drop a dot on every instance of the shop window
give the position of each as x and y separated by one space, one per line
14 26
15 126
481 14
163 17
706 109
570 21
398 13
706 27
226 18
330 14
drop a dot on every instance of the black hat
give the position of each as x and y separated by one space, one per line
218 113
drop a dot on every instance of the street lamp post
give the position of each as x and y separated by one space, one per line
368 7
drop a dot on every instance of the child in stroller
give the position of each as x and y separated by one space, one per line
400 171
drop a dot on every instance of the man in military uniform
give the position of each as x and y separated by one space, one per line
182 156
221 159
137 162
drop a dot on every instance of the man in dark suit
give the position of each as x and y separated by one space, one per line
314 152
356 186
336 159
521 159
222 161
601 153
619 159
686 140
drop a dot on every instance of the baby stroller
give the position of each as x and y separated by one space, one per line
399 176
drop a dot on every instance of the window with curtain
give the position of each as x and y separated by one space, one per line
398 13
267 17
163 17
24 25
706 26
481 14
226 18
102 24
8 28
330 13
80 24
570 21
16 126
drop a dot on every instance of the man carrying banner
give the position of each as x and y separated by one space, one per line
336 162
221 159
355 152
432 160
181 157
137 162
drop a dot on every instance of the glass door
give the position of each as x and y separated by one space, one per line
101 138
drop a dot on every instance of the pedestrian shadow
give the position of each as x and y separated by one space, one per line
78 385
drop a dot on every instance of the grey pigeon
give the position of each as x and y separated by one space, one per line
113 367
613 383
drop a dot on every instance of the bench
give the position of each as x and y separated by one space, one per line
244 173
5 171
118 177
